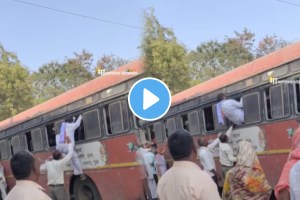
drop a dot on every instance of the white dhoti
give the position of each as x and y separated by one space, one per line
75 163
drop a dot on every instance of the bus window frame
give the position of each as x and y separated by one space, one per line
41 142
163 131
204 120
259 110
46 134
167 122
124 131
297 108
7 149
198 120
99 124
266 107
12 144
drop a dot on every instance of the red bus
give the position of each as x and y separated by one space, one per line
103 140
270 90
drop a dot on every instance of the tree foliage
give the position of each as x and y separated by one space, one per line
213 58
110 62
55 78
164 57
16 90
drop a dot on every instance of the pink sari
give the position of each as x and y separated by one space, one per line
294 156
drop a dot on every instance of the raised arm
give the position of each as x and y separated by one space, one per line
68 157
77 123
238 104
216 141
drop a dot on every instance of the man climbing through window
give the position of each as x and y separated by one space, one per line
68 130
231 109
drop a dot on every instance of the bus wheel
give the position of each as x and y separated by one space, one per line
85 190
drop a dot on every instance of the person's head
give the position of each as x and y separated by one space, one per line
221 96
246 155
181 145
202 141
57 155
24 166
69 119
296 139
223 138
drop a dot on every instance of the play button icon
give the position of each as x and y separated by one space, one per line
149 99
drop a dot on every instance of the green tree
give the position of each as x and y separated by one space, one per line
164 57
16 91
55 78
269 44
109 63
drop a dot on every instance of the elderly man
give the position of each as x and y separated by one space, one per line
185 180
26 172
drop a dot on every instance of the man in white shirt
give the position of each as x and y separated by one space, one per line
149 159
55 172
185 180
69 130
226 155
26 172
205 153
231 109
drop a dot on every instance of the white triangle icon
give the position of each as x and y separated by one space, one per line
149 99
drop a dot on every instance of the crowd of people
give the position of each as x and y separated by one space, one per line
26 168
241 178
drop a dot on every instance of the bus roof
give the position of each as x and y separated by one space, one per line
84 90
260 65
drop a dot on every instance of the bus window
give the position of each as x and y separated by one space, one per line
251 108
277 102
159 132
79 133
37 141
29 141
92 124
194 125
50 130
117 118
185 122
171 126
107 120
208 118
151 133
3 149
15 144
297 92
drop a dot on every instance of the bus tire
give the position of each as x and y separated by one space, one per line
85 190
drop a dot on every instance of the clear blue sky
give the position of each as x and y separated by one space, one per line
39 36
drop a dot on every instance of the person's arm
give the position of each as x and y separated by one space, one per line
77 123
68 157
214 143
237 104
229 132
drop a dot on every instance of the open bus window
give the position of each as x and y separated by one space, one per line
92 124
117 119
3 149
151 133
185 122
15 145
209 118
29 141
79 133
194 123
277 101
50 130
251 106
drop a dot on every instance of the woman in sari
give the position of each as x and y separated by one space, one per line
282 189
246 180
